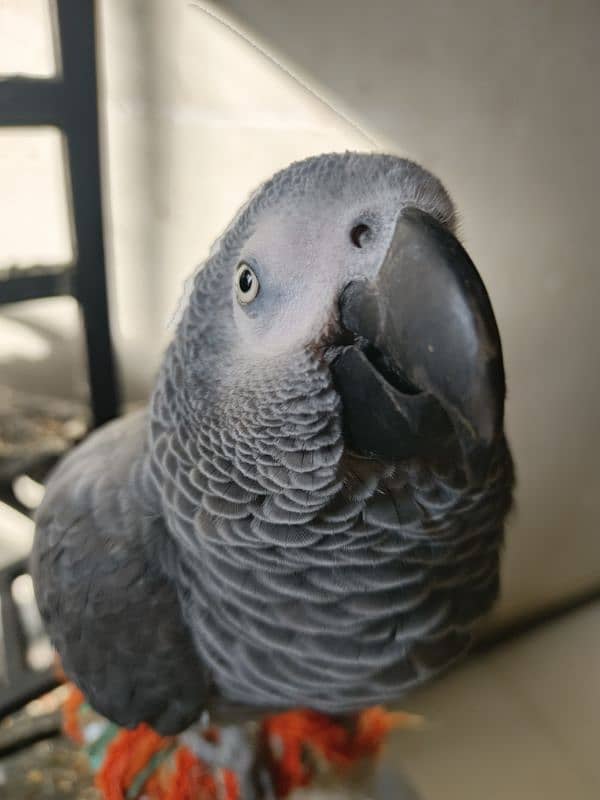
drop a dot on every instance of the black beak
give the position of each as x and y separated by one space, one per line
425 369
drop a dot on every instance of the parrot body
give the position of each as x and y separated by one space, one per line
309 513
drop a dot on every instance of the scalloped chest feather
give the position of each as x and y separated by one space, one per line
310 579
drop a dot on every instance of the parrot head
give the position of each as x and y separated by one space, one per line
348 266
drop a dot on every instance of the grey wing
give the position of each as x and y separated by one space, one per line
98 564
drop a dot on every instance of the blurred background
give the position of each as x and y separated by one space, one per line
198 103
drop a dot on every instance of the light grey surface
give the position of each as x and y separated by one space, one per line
521 723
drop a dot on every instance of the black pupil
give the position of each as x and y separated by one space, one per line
245 280
360 235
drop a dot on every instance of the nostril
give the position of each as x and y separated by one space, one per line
361 235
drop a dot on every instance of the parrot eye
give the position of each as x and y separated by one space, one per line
361 235
246 283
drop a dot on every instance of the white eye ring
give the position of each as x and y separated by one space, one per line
246 283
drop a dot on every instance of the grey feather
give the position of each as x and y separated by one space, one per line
228 548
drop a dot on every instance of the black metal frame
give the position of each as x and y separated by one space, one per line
67 101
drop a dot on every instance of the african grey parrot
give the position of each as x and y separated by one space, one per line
310 511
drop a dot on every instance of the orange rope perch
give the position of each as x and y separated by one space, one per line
70 715
193 781
126 756
288 736
141 762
